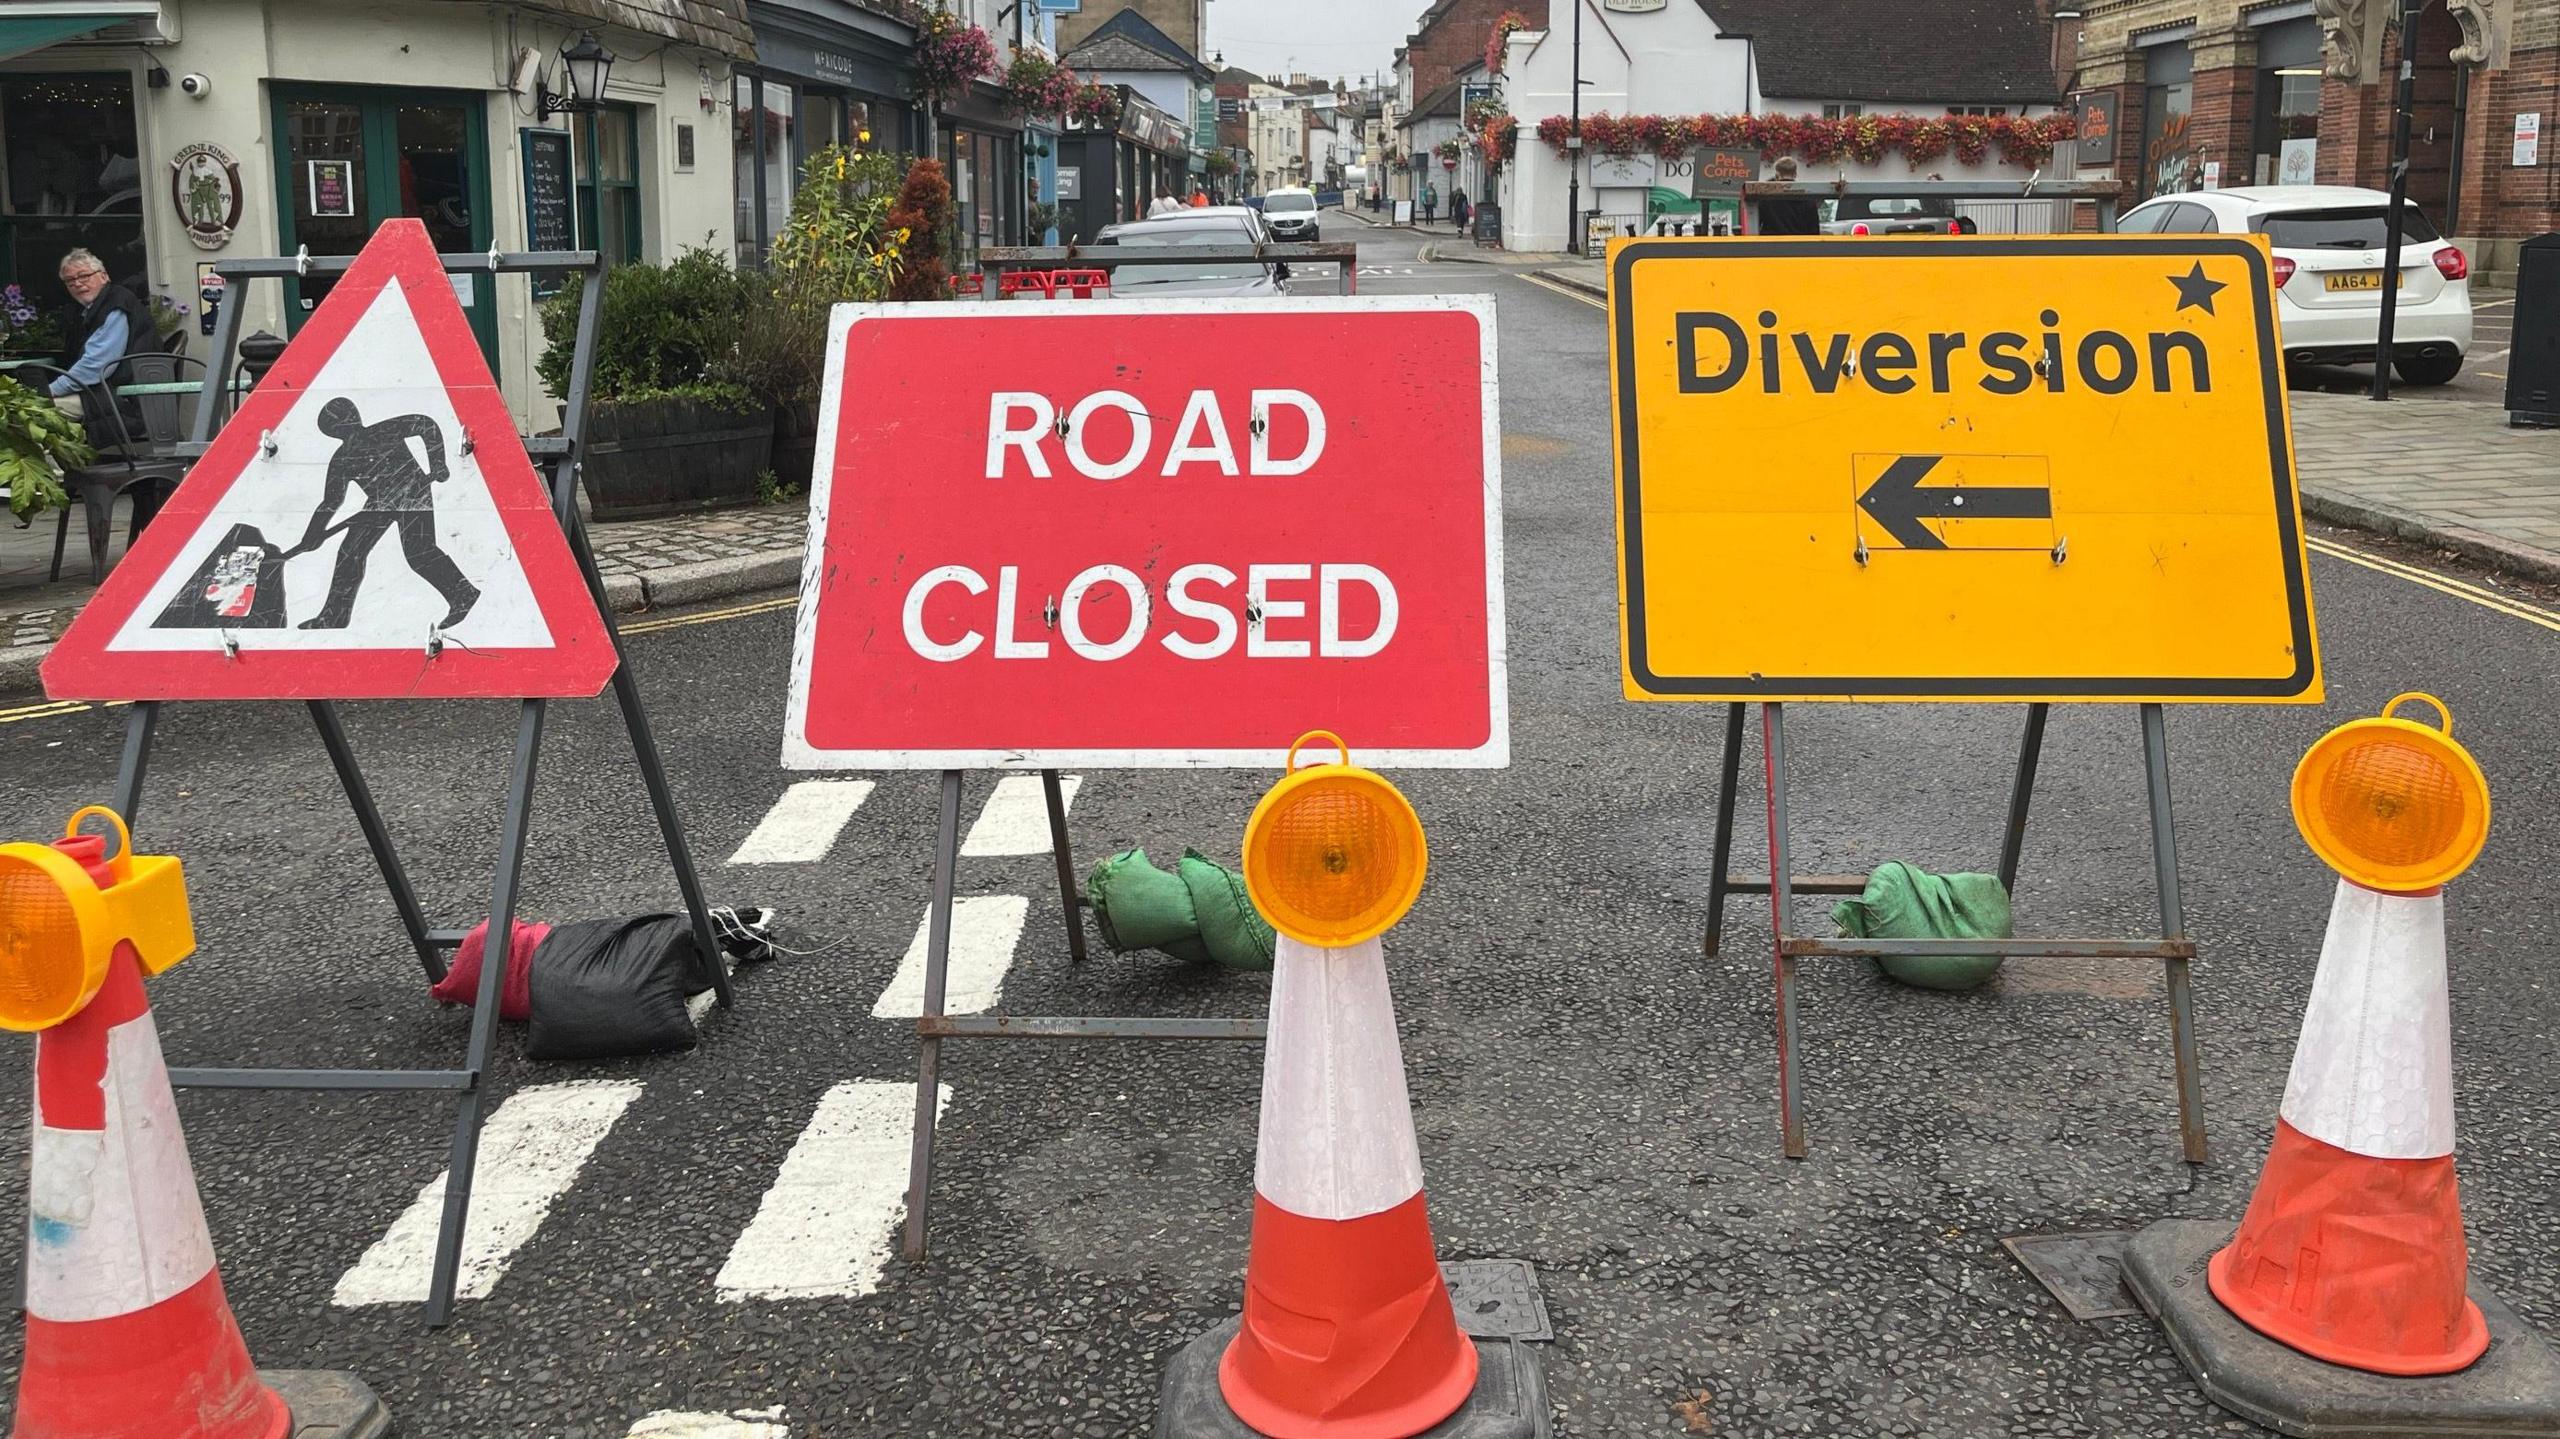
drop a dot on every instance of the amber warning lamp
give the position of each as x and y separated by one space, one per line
1334 854
66 906
2393 804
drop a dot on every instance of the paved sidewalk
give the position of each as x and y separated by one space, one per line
682 559
2427 468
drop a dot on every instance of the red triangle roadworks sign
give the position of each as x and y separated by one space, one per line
367 526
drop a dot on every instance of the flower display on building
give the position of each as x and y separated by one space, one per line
1039 87
1497 142
1497 45
1866 139
1095 106
950 55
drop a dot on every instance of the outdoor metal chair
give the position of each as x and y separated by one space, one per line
140 465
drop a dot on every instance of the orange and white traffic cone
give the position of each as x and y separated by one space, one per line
129 1335
2352 1254
2352 1250
1348 1331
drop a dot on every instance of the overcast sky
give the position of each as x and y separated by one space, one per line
1330 39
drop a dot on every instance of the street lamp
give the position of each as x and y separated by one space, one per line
589 65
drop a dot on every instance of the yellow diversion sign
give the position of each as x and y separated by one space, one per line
1966 468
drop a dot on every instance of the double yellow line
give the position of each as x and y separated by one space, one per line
2486 599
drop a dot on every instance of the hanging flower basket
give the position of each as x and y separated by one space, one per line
1038 87
950 56
1497 45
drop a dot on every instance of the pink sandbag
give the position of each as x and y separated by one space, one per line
461 984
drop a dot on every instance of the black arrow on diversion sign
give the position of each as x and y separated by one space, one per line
1899 504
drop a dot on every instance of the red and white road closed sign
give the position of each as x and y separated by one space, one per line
1154 534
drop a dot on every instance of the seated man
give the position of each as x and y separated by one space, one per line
111 325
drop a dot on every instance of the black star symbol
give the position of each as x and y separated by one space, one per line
2195 291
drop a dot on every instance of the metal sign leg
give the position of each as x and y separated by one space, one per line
2022 795
1773 745
1729 777
342 757
139 723
484 1015
2173 925
937 959
1069 896
653 771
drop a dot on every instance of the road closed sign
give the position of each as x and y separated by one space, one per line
1964 468
1104 533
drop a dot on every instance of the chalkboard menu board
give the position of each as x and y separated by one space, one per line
548 222
1488 223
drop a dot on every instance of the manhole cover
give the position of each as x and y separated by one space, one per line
1498 1299
2084 1269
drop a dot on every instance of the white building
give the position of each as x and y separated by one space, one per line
327 118
1828 58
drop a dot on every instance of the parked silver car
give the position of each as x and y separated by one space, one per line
1217 225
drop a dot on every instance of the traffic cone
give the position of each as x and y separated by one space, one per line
1348 1332
2352 1250
128 1333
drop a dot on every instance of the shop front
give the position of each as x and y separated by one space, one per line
1106 176
827 73
982 153
243 137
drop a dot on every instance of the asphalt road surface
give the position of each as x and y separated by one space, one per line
712 1233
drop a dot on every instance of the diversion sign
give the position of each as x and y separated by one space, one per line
1153 534
1969 468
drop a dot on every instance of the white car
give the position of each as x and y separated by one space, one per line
2329 247
1292 215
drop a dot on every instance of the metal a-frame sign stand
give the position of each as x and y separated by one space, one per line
933 1026
2173 948
466 1083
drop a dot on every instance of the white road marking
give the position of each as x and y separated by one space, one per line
984 931
1016 819
802 825
530 1153
737 1424
824 1228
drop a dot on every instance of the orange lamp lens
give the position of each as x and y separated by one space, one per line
1334 855
2391 804
44 969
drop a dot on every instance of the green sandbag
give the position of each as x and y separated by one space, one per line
1138 906
1906 903
1237 935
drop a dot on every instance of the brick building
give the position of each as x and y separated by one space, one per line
1451 36
2229 92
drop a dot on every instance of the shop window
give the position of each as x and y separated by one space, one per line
2171 165
75 181
612 137
742 168
2286 128
777 151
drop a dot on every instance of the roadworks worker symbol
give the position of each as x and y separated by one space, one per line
368 526
1970 467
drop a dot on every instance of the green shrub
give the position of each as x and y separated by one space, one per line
666 331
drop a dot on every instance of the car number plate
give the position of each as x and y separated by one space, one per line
2358 280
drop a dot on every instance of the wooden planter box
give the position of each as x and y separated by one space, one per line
664 457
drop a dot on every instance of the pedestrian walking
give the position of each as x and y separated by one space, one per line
1164 205
1459 209
1789 214
1430 200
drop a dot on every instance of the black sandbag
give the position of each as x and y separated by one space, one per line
608 987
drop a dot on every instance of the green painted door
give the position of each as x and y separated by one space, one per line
351 157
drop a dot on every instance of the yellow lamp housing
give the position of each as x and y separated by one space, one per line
2393 804
1334 855
59 930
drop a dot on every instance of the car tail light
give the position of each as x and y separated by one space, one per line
1858 229
2284 271
1955 227
2452 263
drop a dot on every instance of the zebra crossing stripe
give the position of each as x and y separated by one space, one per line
802 825
984 931
825 1227
530 1153
1016 819
736 1424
